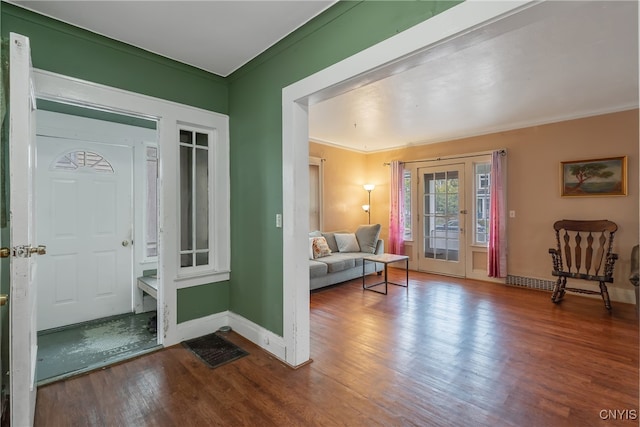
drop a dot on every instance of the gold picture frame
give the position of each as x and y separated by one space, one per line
594 177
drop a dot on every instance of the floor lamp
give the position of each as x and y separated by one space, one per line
367 208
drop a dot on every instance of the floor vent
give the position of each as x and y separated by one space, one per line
530 282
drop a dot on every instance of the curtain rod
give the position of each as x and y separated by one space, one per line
502 152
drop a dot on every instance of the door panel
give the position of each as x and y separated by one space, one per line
84 212
22 265
442 228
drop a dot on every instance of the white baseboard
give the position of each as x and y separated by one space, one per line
258 335
199 327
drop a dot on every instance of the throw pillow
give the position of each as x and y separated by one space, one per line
318 247
331 239
347 242
368 236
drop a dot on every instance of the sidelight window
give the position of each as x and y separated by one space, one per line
482 206
406 184
195 185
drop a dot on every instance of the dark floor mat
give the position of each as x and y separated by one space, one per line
214 350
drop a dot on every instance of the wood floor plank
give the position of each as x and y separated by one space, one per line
446 352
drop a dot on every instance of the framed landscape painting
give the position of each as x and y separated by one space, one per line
596 177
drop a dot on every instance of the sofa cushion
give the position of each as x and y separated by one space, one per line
318 247
347 242
316 233
339 262
368 236
331 239
317 269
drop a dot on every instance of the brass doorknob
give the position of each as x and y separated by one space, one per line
5 252
40 250
4 299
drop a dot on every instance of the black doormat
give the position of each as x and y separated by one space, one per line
214 350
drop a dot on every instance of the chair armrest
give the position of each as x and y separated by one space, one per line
379 247
634 277
608 267
556 258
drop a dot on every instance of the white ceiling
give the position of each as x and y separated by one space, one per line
216 36
552 61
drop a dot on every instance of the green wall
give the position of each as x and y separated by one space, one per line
252 99
74 52
200 301
71 51
255 109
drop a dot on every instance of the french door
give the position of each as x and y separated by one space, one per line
441 213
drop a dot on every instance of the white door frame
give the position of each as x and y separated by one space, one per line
169 115
448 268
372 64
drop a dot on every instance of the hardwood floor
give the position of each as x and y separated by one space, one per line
447 352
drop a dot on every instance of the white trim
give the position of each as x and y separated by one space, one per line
258 335
295 143
168 114
187 281
244 327
201 326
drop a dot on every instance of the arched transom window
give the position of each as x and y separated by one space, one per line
82 159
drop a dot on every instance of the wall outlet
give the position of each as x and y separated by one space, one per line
512 214
279 220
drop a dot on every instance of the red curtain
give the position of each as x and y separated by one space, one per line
497 253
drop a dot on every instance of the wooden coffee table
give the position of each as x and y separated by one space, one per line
385 259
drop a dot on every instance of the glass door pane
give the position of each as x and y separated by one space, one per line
442 224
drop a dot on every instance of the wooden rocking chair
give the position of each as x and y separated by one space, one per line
591 263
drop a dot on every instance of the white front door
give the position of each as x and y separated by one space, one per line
84 214
441 212
22 312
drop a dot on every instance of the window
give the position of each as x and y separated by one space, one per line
481 217
194 197
80 159
151 212
316 176
408 229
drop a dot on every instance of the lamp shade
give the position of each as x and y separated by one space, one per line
365 208
369 187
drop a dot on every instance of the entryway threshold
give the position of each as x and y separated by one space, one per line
98 366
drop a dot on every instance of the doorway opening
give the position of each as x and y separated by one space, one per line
97 209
